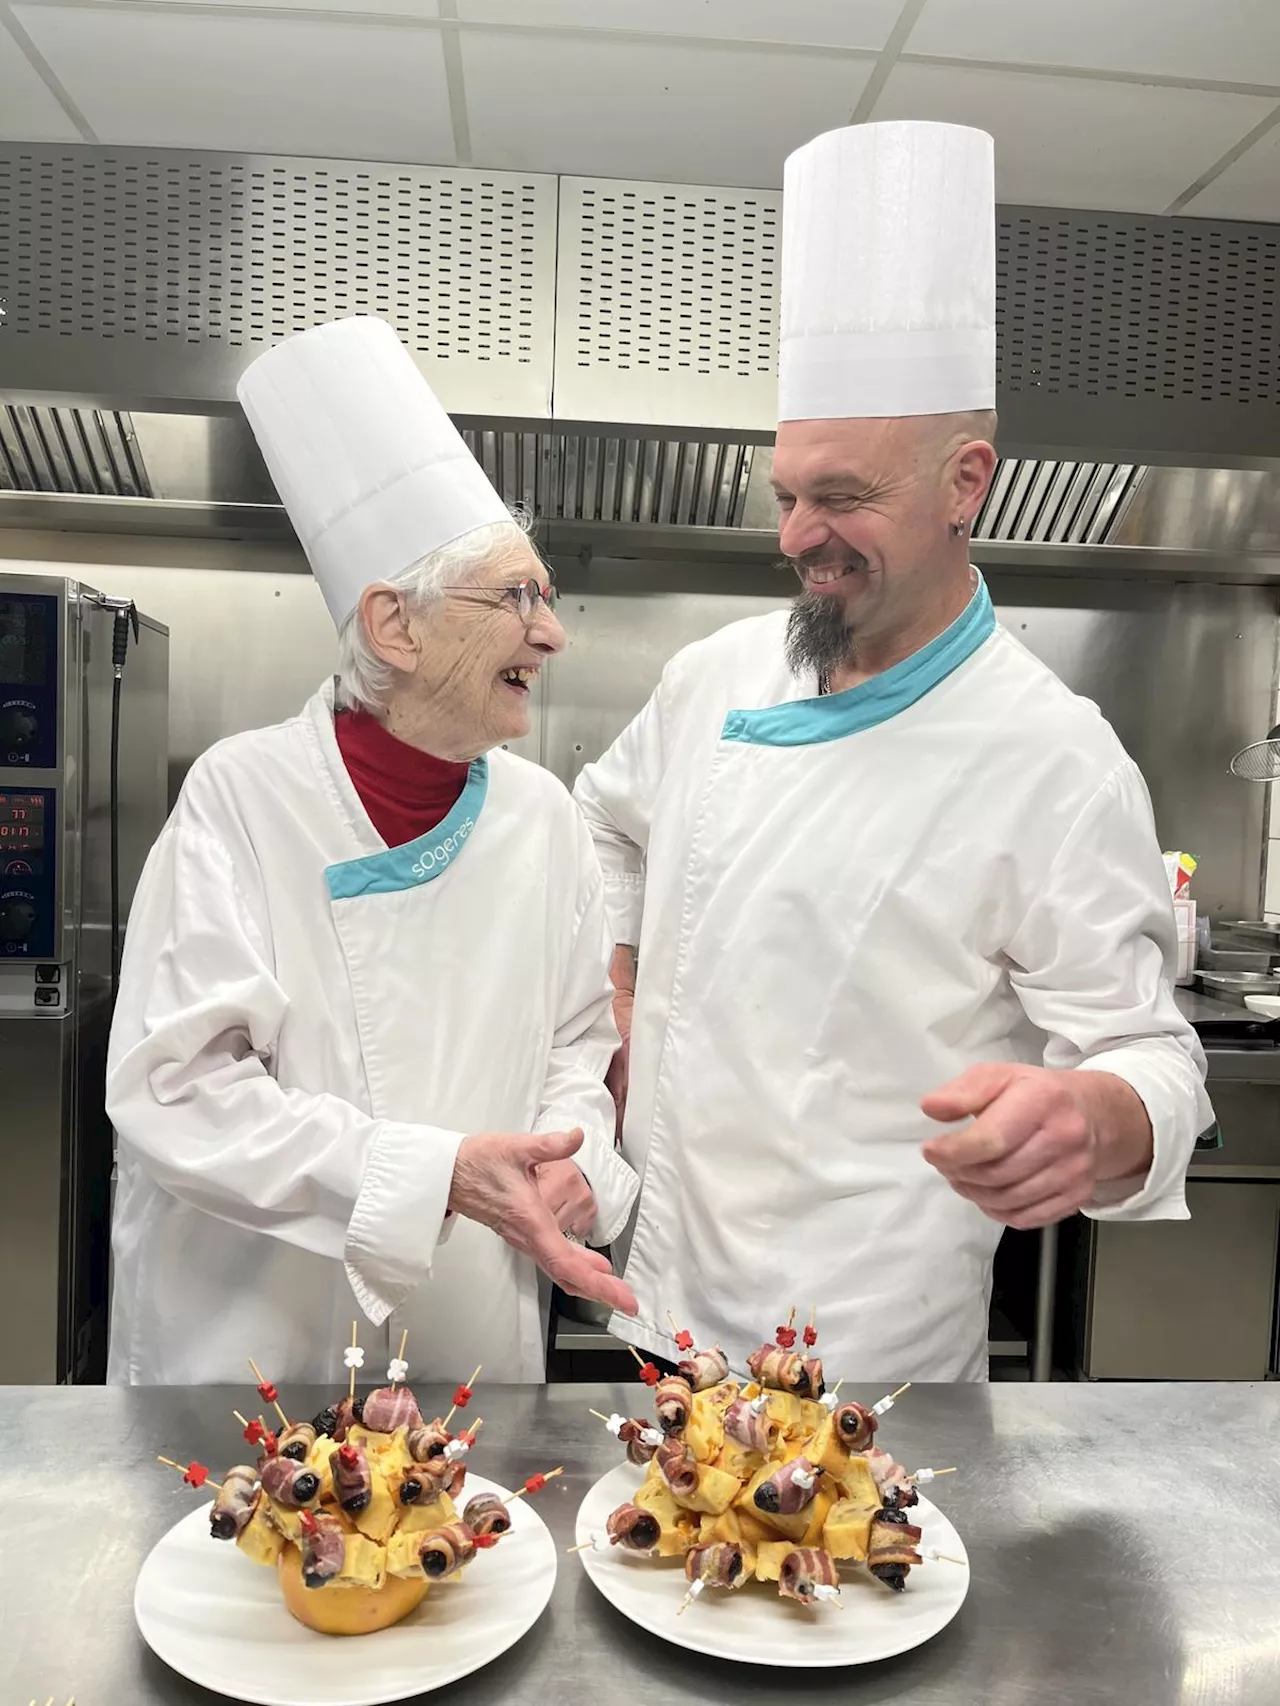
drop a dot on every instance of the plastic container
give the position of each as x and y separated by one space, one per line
1184 912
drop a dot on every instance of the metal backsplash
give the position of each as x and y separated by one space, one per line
135 278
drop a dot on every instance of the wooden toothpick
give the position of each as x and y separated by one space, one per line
184 1469
467 1387
599 1417
585 1546
896 1395
549 1476
352 1392
257 1375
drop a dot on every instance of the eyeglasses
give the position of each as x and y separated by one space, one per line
525 596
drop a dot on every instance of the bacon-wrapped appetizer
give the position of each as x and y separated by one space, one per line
633 1529
486 1513
854 1425
641 1438
892 1551
882 1465
234 1505
324 1549
428 1440
337 1418
808 1575
425 1482
786 1371
704 1369
296 1440
444 1550
672 1400
290 1484
389 1408
718 1565
789 1489
678 1466
747 1420
352 1481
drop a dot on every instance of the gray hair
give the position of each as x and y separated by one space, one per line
364 679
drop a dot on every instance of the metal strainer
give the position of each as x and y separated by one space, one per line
1260 760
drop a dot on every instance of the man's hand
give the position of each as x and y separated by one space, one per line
564 1189
496 1181
1040 1141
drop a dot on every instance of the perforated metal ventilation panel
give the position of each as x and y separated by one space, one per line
158 275
667 304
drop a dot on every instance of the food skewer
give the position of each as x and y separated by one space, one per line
194 1474
930 1474
397 1368
684 1338
353 1356
535 1484
936 1557
649 1372
268 1393
583 1546
463 1394
888 1403
458 1448
810 1334
786 1336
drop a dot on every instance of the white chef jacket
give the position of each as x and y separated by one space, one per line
308 1026
841 903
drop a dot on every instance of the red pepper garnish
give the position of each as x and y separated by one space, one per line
535 1483
684 1340
786 1337
811 1336
485 1540
348 1456
462 1397
270 1443
267 1392
307 1523
650 1373
196 1475
469 1438
253 1432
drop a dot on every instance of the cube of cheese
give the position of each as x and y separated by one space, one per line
769 1559
320 1458
365 1565
704 1431
402 1556
260 1539
847 1531
858 1484
417 1519
715 1491
379 1517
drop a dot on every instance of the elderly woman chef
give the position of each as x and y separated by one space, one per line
364 989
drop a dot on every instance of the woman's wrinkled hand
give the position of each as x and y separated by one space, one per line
496 1180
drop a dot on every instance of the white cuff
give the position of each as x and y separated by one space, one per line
624 904
399 1214
612 1182
1174 1096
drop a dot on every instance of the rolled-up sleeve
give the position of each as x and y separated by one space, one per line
1093 962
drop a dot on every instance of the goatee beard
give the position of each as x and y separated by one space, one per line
819 638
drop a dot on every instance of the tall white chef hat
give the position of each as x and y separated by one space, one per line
371 469
888 273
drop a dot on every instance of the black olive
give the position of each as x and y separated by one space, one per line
671 1425
326 1422
892 1575
735 1567
296 1450
357 1410
306 1486
313 1579
356 1502
647 1531
222 1525
410 1490
767 1497
819 1389
891 1513
436 1449
435 1563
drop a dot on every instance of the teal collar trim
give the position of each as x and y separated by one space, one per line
420 861
807 722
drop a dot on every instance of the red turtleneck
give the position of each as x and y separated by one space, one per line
405 792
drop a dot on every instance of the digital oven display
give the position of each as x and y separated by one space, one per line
21 823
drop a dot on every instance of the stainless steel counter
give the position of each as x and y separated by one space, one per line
1125 1543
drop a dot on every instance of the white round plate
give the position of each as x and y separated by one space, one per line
754 1623
220 1620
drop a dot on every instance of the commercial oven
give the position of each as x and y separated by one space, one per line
75 829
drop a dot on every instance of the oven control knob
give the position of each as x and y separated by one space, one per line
18 728
17 918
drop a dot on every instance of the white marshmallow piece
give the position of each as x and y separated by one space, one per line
823 1591
804 1478
353 1356
456 1450
397 1368
880 1409
651 1436
616 1423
